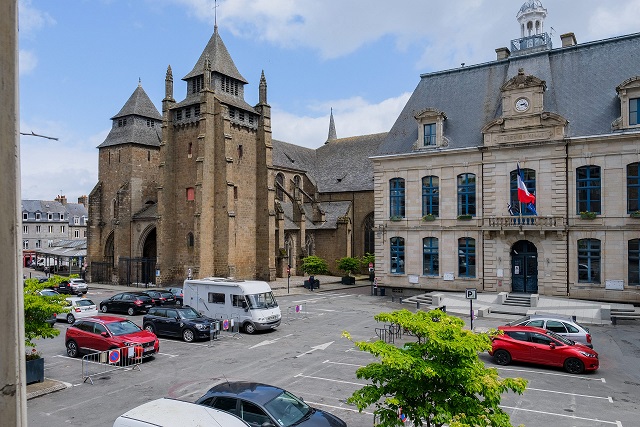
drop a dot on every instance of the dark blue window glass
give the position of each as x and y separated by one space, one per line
397 255
396 197
588 193
589 260
633 111
430 196
634 262
430 264
466 257
467 194
633 188
430 134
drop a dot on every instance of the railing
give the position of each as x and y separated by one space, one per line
540 41
101 362
550 223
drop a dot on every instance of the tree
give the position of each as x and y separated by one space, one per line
314 265
436 380
38 309
349 265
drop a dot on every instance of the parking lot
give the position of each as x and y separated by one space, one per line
307 356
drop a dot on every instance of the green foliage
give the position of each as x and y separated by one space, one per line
437 379
314 265
367 259
349 264
38 309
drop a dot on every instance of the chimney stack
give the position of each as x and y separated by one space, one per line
503 53
62 199
568 39
82 200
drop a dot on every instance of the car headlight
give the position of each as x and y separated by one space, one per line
584 353
201 326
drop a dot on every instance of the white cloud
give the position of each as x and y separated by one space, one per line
28 61
623 19
353 116
31 19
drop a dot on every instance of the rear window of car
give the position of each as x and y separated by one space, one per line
166 294
84 302
143 297
160 312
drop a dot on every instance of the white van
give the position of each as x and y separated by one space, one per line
176 413
249 303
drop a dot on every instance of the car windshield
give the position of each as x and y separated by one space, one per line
122 328
560 338
263 300
166 294
287 409
189 313
84 302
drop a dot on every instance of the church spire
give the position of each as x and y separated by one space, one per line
262 95
332 129
168 84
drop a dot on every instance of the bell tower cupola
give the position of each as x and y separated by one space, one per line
531 18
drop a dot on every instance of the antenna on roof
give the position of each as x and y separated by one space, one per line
552 31
215 13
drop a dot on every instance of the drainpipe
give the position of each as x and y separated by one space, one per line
566 167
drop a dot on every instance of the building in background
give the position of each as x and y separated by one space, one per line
447 210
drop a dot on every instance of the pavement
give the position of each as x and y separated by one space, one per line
485 305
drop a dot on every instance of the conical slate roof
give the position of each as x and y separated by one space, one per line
139 104
221 61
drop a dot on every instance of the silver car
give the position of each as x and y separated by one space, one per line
78 286
561 325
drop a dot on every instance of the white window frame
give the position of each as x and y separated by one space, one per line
25 229
430 116
37 216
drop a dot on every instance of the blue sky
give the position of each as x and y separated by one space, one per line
80 60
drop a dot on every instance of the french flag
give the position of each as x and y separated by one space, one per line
523 194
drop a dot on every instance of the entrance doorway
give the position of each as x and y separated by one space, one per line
524 267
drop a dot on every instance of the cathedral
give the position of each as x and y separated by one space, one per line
202 189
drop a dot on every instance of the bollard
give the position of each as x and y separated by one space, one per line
400 300
417 305
392 298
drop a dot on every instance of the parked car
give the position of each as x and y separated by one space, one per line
541 346
561 325
162 297
171 412
184 322
263 405
100 333
127 302
79 308
79 286
48 292
177 292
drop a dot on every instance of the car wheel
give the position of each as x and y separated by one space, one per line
149 327
70 318
104 309
249 328
188 335
178 303
131 311
502 357
574 366
72 349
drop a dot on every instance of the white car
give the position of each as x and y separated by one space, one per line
80 307
78 286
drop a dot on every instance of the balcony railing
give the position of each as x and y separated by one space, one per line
531 43
524 223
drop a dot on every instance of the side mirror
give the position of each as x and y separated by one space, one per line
552 345
104 334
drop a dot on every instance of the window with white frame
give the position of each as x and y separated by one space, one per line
38 244
62 228
50 229
25 216
629 95
430 129
76 234
50 216
25 244
37 216
25 229
38 229
76 220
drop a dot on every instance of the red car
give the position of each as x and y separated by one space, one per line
536 345
100 333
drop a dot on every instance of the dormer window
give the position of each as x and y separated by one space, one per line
430 129
629 94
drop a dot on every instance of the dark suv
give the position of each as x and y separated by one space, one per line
127 302
184 322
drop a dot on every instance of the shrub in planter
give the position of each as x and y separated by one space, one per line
465 217
349 265
588 215
314 265
429 217
635 214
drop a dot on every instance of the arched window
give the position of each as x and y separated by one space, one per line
190 150
588 192
430 262
529 180
589 261
397 255
297 184
430 196
369 235
466 257
634 262
467 194
190 240
279 186
633 187
396 198
310 244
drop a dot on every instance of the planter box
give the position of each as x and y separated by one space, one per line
465 217
347 280
35 370
634 214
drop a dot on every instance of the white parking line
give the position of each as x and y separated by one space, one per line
579 377
342 363
617 423
337 407
609 398
329 379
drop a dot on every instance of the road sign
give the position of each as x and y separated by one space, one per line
471 293
370 265
114 356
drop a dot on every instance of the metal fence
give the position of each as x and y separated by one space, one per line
102 362
101 272
229 325
136 271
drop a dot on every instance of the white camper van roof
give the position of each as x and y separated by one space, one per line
176 413
248 286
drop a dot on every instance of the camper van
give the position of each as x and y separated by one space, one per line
250 304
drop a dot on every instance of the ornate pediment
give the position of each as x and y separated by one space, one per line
523 81
531 128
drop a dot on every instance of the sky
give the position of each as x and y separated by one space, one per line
80 60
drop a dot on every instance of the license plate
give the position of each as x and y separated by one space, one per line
272 317
147 306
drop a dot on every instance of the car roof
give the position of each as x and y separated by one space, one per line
77 298
142 293
105 319
551 316
255 392
523 329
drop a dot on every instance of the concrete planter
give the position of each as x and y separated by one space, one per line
35 370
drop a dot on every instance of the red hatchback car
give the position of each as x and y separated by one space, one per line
536 345
100 333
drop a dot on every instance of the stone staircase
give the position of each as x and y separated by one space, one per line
424 299
624 313
517 300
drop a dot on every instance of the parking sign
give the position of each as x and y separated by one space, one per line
471 293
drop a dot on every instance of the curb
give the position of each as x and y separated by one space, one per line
46 387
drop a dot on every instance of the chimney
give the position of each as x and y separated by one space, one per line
568 39
62 199
82 200
503 53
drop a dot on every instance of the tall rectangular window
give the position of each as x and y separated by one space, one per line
191 194
467 194
38 244
589 261
25 229
530 182
588 191
430 196
634 262
50 229
396 198
430 263
38 229
633 187
76 234
62 229
397 255
25 244
25 215
430 134
633 111
466 257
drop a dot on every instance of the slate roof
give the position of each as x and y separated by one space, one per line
333 211
149 211
139 104
581 87
77 210
221 61
43 206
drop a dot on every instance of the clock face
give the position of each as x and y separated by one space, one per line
522 104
